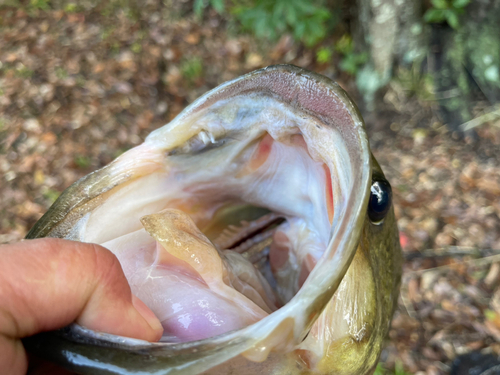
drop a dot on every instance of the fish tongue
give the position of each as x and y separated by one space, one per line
176 232
180 237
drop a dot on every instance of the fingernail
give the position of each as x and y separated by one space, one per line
148 315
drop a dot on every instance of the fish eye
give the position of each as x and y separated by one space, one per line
380 201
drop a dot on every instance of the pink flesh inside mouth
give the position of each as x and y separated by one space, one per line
199 274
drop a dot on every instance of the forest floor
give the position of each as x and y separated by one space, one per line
79 89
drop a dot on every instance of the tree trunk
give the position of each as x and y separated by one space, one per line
392 31
465 63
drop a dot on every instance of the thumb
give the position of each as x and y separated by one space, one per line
47 284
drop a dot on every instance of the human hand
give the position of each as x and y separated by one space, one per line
46 284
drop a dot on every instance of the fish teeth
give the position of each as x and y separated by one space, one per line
232 234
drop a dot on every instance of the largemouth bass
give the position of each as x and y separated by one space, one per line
256 225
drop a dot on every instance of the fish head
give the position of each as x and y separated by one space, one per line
257 226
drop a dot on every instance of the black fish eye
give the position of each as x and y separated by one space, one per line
380 201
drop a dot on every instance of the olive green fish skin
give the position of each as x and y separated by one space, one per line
377 246
380 245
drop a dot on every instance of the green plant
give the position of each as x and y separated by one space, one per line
23 72
200 5
50 194
446 11
306 20
351 61
130 8
192 69
82 161
80 80
61 73
107 32
71 8
136 47
120 151
115 48
398 370
380 370
39 4
415 83
324 55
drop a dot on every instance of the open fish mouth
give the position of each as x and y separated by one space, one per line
243 226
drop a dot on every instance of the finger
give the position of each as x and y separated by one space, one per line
12 356
48 283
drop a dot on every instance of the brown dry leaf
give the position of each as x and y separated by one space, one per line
192 38
493 276
414 290
57 14
38 177
448 305
489 185
495 301
76 18
493 329
49 138
253 61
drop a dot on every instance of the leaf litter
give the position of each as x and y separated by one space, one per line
80 87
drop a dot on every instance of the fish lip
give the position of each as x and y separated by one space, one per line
344 238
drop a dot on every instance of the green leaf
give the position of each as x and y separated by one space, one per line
379 370
324 55
300 30
323 14
347 65
71 8
51 195
305 7
452 19
262 29
136 47
82 161
458 4
198 7
315 33
279 9
490 314
344 45
399 370
361 58
440 4
218 5
40 4
291 16
434 16
306 20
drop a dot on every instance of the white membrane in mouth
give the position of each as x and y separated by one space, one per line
250 149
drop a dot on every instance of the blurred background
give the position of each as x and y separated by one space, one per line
83 81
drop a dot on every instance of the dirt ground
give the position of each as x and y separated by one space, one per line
78 89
